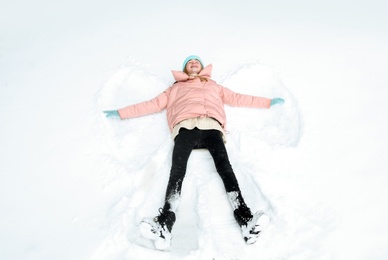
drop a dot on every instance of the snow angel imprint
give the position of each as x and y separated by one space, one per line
196 118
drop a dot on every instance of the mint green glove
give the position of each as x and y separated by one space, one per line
112 114
277 101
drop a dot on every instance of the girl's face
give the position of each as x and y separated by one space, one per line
193 67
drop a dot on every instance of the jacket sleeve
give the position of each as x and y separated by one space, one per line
154 105
241 100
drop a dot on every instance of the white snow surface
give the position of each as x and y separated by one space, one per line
75 185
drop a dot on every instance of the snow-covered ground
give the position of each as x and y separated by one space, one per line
74 185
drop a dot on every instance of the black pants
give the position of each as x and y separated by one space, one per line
185 142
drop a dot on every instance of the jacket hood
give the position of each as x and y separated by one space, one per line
181 76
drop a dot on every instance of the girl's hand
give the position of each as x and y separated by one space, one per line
112 114
277 101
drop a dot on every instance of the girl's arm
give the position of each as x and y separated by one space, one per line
154 105
241 100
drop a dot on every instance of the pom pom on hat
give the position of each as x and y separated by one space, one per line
191 57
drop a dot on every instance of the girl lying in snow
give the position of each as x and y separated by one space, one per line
196 117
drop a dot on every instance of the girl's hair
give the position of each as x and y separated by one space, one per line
203 79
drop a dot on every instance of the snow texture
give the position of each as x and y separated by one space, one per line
75 185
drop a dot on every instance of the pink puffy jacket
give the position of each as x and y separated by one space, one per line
189 98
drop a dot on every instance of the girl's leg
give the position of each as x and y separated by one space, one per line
184 144
213 141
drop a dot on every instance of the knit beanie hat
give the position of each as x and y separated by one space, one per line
191 57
